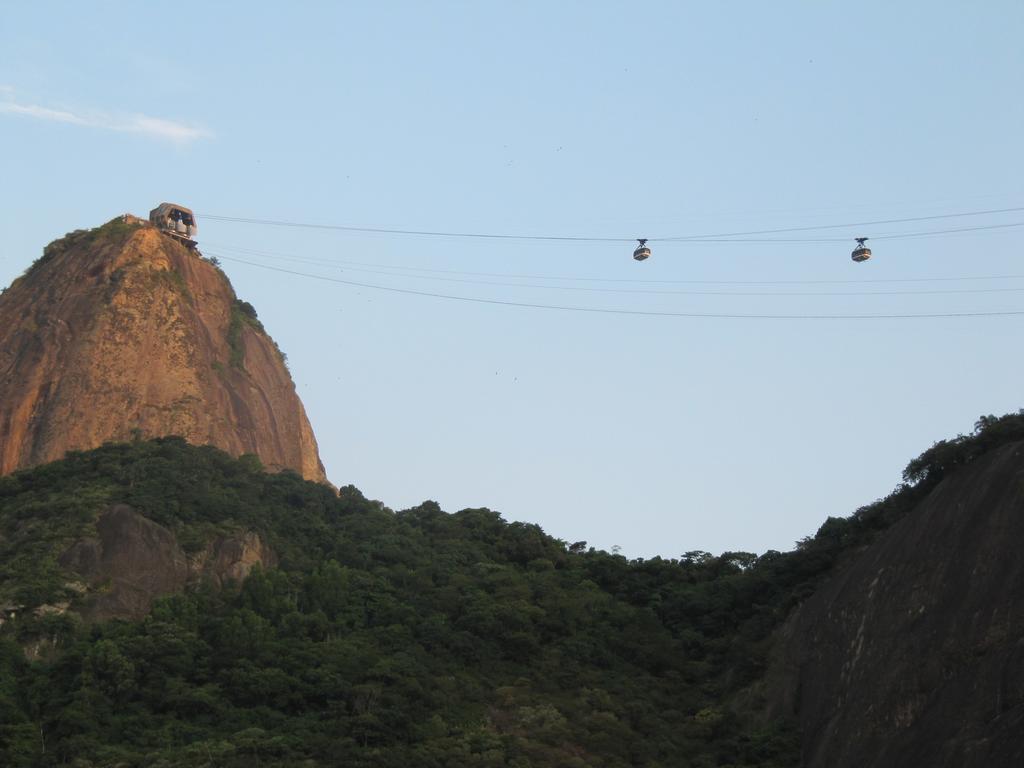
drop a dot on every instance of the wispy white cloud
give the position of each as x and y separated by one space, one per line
161 129
43 113
146 125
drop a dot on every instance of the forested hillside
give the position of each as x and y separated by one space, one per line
412 638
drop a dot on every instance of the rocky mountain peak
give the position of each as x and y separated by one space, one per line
121 333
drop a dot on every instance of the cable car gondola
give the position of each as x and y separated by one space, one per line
861 252
642 251
175 220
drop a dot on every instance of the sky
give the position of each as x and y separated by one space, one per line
632 405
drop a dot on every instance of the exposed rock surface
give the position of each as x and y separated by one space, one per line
912 654
122 332
133 560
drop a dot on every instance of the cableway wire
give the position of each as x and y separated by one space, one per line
344 263
562 238
884 236
655 291
867 224
601 310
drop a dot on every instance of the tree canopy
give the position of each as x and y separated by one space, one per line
389 638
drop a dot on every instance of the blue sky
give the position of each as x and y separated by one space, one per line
654 433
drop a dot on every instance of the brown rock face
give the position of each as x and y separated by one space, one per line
912 654
132 561
122 332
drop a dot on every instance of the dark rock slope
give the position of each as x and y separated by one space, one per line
132 561
120 333
912 654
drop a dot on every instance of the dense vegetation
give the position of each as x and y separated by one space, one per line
416 638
